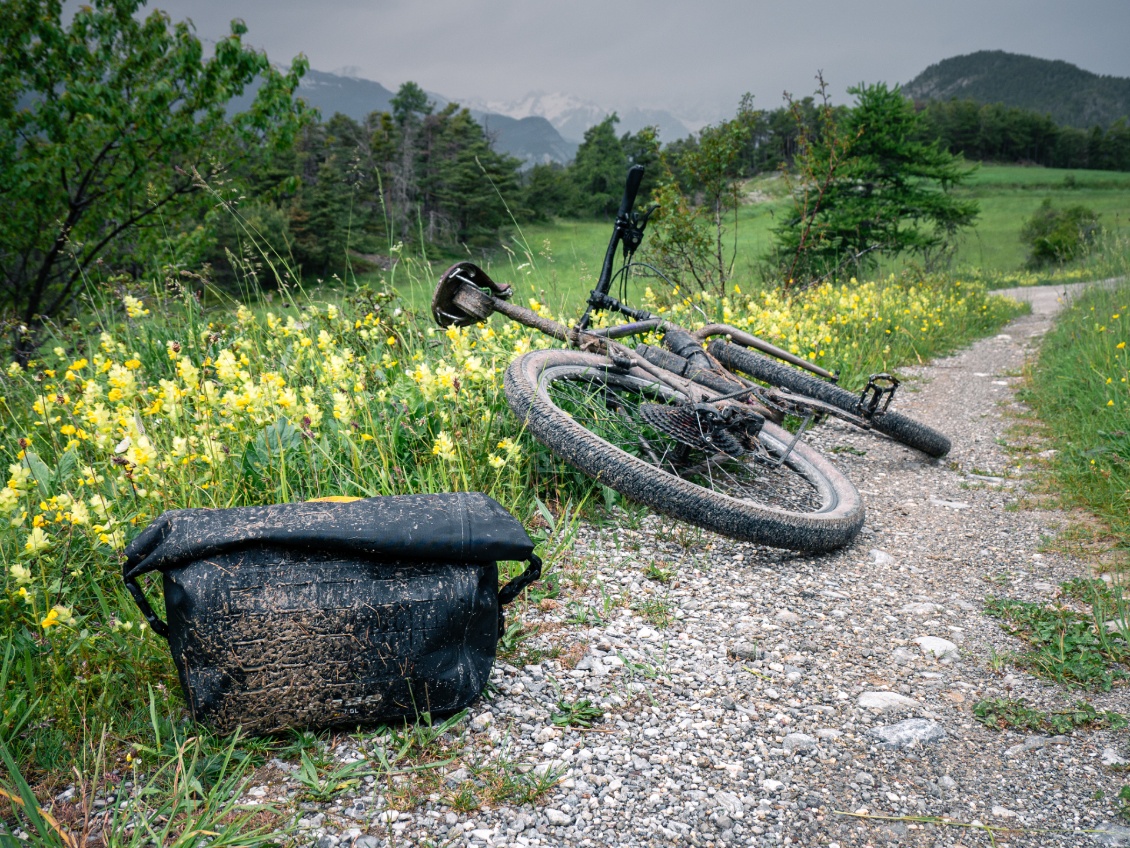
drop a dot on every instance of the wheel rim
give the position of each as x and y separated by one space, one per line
606 404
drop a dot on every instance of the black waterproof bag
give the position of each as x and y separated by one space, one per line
332 614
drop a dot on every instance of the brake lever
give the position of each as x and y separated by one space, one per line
632 233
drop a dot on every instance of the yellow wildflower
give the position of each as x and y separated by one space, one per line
37 540
134 307
57 615
444 448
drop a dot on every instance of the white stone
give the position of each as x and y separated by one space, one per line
1111 757
932 645
1114 835
949 504
787 617
881 557
556 817
925 608
730 803
772 785
481 722
1003 813
885 701
913 731
798 742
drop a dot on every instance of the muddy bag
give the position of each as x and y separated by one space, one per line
328 614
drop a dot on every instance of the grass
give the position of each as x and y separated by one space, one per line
1079 389
1081 644
563 257
1014 713
582 713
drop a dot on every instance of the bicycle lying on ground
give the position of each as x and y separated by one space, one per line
691 433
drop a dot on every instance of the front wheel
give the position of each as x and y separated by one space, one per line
892 424
588 413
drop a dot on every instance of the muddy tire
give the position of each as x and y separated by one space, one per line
584 411
893 424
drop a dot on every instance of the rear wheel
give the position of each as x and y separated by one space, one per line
588 413
894 424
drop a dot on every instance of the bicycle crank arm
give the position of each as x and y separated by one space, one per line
803 405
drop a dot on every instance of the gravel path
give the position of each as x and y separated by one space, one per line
758 696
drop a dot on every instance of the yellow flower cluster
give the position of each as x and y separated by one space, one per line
838 325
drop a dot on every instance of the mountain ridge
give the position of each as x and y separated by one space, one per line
1070 95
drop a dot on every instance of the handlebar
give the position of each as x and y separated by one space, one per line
631 188
624 230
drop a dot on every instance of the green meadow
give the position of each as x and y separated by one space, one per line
558 262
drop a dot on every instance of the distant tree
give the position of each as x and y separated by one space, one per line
1059 235
469 185
598 170
691 228
547 192
642 148
106 122
881 190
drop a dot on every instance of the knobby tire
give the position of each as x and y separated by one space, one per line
893 424
574 402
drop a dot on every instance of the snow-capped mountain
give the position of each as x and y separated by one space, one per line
572 116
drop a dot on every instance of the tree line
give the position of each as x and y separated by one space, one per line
998 133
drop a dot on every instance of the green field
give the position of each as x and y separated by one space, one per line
558 262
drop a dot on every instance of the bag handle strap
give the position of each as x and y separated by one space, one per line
138 594
512 589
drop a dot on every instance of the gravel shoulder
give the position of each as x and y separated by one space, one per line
750 699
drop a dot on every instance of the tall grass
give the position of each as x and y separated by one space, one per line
1080 389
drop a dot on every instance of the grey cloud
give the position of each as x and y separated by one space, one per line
662 53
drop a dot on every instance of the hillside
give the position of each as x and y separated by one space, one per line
533 140
1071 95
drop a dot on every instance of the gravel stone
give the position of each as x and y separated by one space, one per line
798 742
1111 757
1114 835
885 701
934 646
913 731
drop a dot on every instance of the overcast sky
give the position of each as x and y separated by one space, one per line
684 56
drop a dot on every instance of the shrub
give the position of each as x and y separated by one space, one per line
1059 235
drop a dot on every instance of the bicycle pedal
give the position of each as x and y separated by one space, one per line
877 395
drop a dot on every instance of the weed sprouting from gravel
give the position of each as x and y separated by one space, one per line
656 611
1084 647
582 713
1003 713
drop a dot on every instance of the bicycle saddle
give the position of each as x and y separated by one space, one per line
458 296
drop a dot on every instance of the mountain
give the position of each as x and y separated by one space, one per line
1071 95
532 139
572 116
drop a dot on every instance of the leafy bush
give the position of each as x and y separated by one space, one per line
1059 235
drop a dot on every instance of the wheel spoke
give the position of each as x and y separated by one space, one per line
611 411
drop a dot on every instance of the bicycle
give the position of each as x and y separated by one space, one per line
679 428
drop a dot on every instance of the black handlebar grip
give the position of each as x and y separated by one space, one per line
635 177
